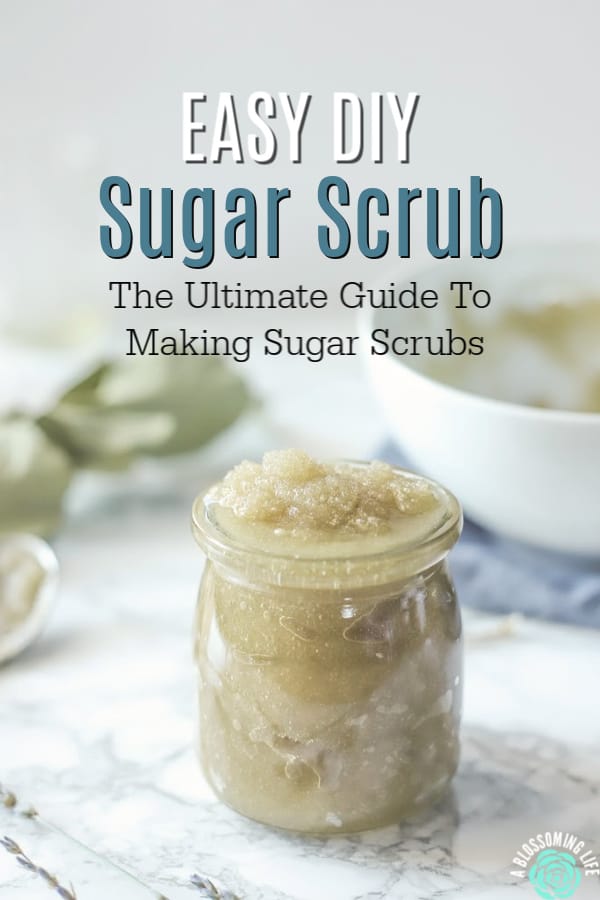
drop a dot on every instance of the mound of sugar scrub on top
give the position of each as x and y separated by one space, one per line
290 490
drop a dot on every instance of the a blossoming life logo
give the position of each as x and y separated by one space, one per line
555 874
554 862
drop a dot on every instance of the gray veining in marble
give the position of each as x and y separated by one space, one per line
97 732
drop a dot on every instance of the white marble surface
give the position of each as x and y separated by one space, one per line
97 732
98 718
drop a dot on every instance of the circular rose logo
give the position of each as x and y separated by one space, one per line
555 875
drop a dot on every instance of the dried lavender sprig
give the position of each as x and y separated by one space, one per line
8 798
211 891
10 801
52 881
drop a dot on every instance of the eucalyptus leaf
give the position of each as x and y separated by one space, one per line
145 406
34 475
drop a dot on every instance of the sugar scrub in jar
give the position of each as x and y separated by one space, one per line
328 642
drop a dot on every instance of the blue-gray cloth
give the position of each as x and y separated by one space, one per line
499 575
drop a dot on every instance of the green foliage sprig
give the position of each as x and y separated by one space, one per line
121 411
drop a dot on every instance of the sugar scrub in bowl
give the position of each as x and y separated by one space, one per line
328 642
502 402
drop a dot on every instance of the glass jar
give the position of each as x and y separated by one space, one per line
329 688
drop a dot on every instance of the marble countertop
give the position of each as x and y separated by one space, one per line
98 721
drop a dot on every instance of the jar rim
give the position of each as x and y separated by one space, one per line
408 556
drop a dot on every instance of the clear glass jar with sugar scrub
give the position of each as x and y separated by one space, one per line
328 642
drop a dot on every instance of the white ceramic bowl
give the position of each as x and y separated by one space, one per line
529 473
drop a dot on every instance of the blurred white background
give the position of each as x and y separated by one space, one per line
95 89
88 90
